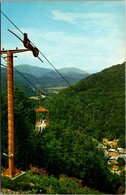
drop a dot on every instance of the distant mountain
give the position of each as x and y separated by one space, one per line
34 70
72 69
42 77
50 78
40 72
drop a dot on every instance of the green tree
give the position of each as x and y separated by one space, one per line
121 142
24 120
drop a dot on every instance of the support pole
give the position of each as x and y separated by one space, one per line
10 112
11 171
40 100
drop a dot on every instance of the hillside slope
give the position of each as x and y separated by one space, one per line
65 147
20 82
99 108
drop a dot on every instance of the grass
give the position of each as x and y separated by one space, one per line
50 91
34 97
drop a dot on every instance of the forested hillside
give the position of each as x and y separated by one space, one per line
99 108
67 145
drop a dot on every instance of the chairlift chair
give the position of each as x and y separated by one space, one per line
41 110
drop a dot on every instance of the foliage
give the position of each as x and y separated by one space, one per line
19 81
121 190
23 125
100 108
24 186
121 162
36 170
93 114
6 182
39 184
121 142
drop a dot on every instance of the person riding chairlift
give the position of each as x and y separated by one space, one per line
42 125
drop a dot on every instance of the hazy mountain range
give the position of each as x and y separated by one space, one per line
42 77
40 72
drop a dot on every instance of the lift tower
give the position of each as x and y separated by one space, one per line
11 171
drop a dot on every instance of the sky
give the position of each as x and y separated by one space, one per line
89 35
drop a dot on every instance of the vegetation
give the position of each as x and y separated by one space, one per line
67 146
41 183
100 110
121 162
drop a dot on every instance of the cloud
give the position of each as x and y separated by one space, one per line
92 21
68 17
65 49
73 17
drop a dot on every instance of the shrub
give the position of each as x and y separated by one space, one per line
121 190
24 186
38 171
40 189
6 182
121 162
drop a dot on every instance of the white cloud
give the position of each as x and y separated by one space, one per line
64 49
72 17
68 17
108 23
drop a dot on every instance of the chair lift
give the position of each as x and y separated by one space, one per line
41 123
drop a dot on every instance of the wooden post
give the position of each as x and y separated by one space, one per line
11 171
40 100
10 112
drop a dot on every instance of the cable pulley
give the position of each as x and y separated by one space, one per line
29 46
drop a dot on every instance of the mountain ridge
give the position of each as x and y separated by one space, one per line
39 71
40 78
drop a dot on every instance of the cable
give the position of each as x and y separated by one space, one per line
28 80
81 97
62 77
3 65
11 22
31 84
3 58
51 65
47 61
60 74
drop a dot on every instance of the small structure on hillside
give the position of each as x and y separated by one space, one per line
121 150
111 143
113 153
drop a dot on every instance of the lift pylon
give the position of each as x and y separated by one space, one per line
11 171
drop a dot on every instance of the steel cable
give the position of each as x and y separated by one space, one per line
81 97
